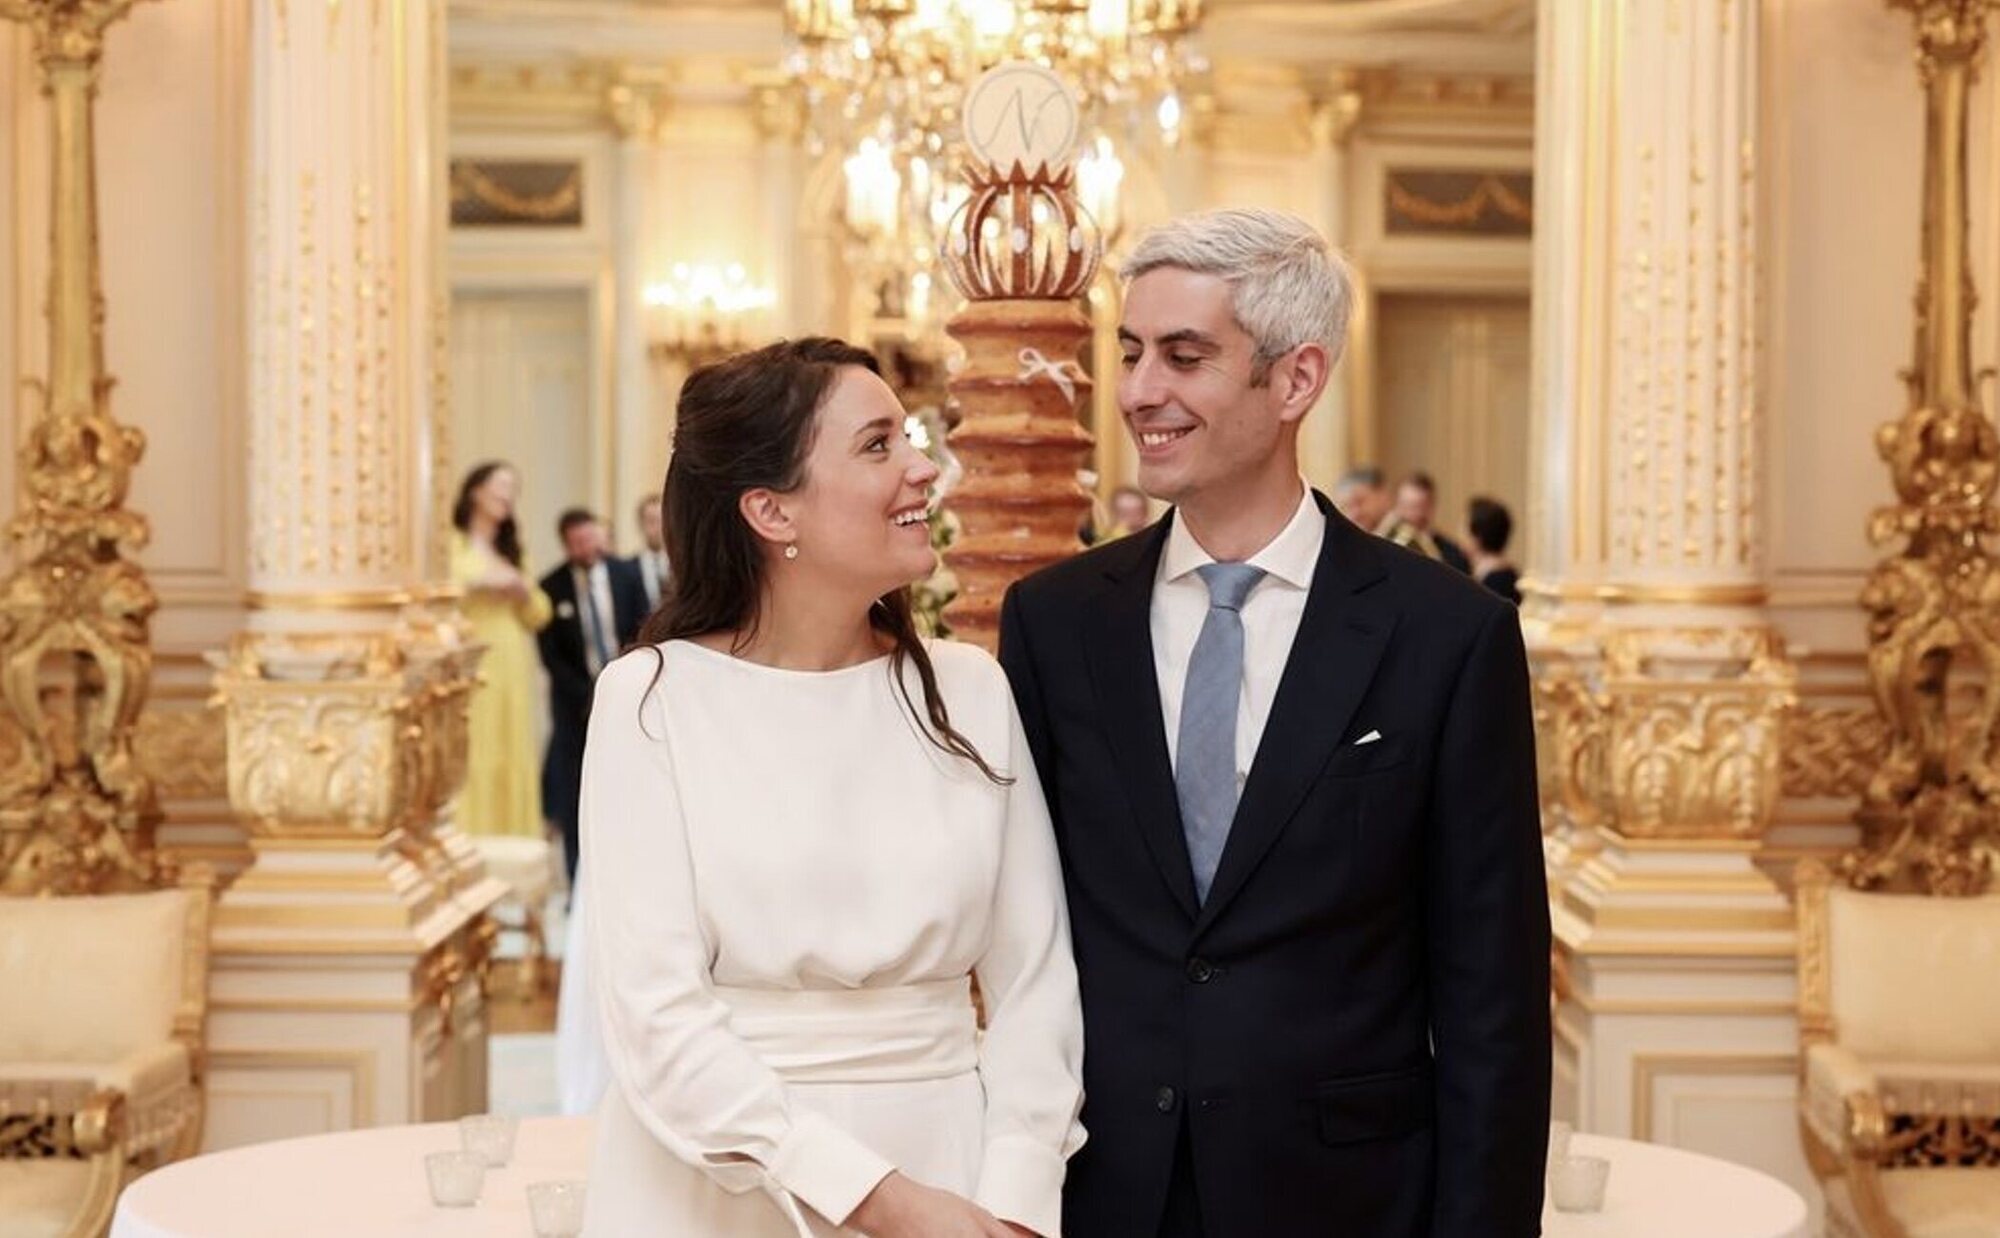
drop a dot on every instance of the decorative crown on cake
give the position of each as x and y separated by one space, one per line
1021 234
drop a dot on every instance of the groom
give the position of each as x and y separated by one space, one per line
1292 773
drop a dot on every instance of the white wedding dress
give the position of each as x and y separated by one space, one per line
789 888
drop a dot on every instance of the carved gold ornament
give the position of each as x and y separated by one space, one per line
77 812
348 736
1570 732
1928 813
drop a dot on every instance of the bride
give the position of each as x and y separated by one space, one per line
807 832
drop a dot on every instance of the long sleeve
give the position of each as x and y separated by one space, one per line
535 611
1489 949
704 1094
1032 1053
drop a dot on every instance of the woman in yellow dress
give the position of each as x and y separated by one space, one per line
504 608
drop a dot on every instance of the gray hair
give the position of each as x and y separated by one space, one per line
1360 477
1287 286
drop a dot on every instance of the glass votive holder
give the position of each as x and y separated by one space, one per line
556 1209
1559 1133
489 1136
1576 1183
455 1178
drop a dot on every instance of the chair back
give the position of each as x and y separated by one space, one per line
93 978
1901 978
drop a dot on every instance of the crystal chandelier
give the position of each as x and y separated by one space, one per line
883 81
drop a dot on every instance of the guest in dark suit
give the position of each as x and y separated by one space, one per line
599 604
1491 525
651 560
1291 768
1416 510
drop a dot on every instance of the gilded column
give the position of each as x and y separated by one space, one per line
77 813
347 310
361 917
1662 690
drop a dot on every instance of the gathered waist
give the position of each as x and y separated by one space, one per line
894 1034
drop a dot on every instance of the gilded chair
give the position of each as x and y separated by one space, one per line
103 999
1899 1020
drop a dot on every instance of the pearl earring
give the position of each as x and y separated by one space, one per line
792 551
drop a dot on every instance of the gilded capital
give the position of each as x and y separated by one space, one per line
67 32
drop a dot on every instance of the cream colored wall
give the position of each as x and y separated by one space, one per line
710 185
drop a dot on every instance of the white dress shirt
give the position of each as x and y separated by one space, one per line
653 569
596 579
1271 617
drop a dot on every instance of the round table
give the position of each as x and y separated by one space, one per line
372 1182
1661 1192
366 1182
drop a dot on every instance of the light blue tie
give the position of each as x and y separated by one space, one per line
593 626
1205 761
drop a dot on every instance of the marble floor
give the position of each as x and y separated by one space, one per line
521 1062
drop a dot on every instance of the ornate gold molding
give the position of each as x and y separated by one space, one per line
348 737
77 812
1931 1139
1928 815
1570 734
1831 750
1694 723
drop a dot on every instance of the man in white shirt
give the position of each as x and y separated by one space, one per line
599 603
1291 770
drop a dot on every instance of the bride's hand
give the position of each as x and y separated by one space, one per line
900 1207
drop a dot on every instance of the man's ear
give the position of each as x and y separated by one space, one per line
1300 378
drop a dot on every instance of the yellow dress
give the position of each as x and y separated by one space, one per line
502 788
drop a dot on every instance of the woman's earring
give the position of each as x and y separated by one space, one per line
792 550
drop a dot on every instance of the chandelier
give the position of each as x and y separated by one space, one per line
705 312
883 81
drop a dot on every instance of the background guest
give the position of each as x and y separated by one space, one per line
1362 496
503 610
1130 512
652 557
599 603
1411 523
1491 526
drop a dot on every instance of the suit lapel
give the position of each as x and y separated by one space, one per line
1342 635
1120 636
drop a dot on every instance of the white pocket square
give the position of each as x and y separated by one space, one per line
1369 738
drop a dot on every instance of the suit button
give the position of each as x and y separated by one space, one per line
1201 971
1165 1099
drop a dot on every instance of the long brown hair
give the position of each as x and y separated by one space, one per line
507 537
748 423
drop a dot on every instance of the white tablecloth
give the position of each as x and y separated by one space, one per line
371 1183
1661 1192
354 1184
